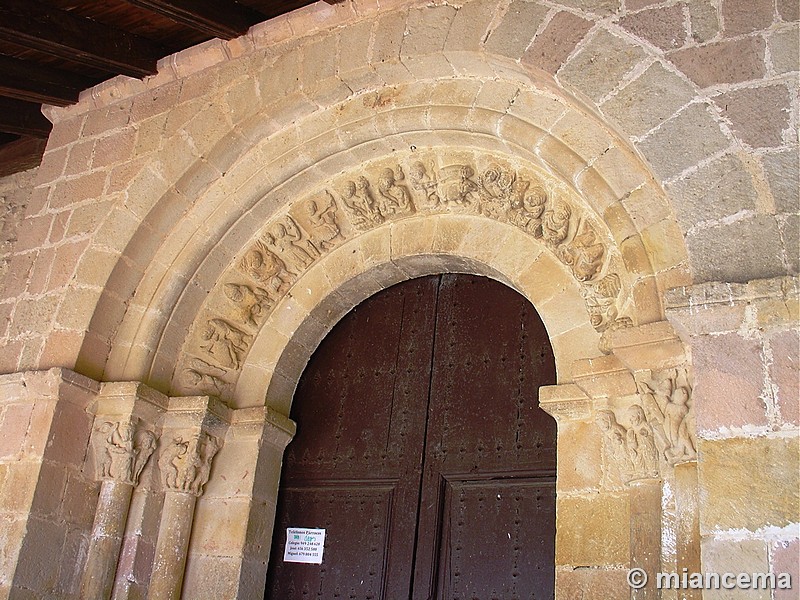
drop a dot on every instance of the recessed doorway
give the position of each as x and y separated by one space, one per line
422 452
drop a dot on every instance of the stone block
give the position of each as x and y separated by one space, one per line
790 238
749 483
783 174
785 560
468 28
579 451
745 16
583 582
704 20
737 252
735 556
788 10
648 100
582 135
759 115
516 29
72 191
427 29
785 347
663 27
211 577
683 141
716 190
354 46
14 423
784 50
597 68
729 377
219 526
729 61
593 530
388 35
551 47
37 569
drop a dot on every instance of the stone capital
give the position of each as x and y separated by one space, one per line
185 460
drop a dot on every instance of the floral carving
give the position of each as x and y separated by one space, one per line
122 450
185 462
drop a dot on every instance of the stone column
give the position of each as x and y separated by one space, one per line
122 449
185 464
645 533
688 530
122 445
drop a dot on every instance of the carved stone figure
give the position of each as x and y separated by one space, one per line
424 184
265 267
204 377
291 244
584 254
122 451
556 223
500 191
615 441
527 212
667 399
394 197
326 232
226 343
458 187
641 444
360 203
185 463
253 303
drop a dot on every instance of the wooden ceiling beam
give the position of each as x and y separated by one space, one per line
23 118
77 39
21 155
219 18
26 80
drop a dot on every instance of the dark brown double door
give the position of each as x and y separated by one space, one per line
422 452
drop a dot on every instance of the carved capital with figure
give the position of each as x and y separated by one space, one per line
185 461
122 449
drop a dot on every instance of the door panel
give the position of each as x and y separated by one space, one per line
422 451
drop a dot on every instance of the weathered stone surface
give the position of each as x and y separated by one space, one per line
683 141
746 16
648 100
704 20
579 447
719 189
663 27
785 347
600 7
729 377
584 582
741 476
598 531
788 10
746 249
469 26
739 556
784 50
759 115
552 46
517 28
784 560
597 67
790 238
783 174
731 61
427 29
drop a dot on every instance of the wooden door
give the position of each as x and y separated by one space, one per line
422 452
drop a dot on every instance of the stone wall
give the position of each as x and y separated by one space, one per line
670 127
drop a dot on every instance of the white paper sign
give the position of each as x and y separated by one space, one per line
304 545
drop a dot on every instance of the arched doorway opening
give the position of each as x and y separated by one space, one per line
422 451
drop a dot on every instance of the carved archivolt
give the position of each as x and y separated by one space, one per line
122 449
472 184
658 432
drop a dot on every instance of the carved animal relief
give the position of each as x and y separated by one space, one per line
122 450
293 241
185 462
